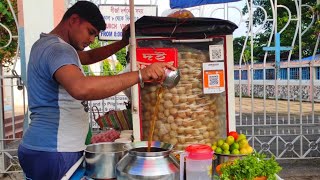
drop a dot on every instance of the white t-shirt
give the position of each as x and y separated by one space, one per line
58 121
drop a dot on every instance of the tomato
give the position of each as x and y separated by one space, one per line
218 169
234 134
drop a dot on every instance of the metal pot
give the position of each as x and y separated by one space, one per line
172 78
222 158
138 164
101 159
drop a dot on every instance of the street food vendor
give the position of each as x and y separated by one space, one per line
56 87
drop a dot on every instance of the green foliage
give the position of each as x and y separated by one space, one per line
119 67
106 69
96 43
317 24
261 39
238 46
251 166
7 19
87 70
121 56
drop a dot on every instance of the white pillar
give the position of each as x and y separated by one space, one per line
42 18
36 20
230 84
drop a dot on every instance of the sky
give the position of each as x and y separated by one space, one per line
211 10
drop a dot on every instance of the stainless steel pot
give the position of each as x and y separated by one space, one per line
222 158
138 164
172 78
101 159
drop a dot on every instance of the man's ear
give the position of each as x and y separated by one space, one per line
74 19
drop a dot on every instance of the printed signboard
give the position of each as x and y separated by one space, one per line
118 16
147 56
102 106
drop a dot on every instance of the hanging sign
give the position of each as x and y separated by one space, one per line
118 16
213 77
147 56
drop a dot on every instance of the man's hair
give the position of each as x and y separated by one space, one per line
87 11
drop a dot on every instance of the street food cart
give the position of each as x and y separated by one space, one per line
200 109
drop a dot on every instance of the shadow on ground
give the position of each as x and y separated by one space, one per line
302 169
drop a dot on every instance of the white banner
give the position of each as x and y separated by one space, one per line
118 16
116 102
112 103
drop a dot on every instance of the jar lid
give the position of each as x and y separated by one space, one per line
199 152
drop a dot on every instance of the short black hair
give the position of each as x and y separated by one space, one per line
87 11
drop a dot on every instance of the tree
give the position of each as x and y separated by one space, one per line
106 67
121 56
238 44
317 24
95 44
7 19
119 67
287 36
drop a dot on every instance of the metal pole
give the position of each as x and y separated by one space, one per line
251 72
135 90
276 70
313 75
300 73
13 128
2 156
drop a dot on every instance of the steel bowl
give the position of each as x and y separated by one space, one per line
172 78
101 159
222 158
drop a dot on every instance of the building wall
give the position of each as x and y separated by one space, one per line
283 87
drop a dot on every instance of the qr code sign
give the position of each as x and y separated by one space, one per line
216 52
214 80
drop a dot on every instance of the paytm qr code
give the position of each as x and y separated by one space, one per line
214 80
216 52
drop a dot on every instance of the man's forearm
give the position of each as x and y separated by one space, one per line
101 53
100 87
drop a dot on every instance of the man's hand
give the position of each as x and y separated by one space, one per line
126 34
156 72
98 54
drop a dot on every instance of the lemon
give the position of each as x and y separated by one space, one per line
226 152
243 151
230 140
220 142
240 137
249 149
214 147
218 150
225 146
234 146
235 151
243 143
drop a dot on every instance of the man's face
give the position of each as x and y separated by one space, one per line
82 34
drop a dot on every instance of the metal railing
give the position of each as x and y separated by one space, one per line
280 128
287 129
14 101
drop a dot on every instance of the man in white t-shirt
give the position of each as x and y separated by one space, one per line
55 139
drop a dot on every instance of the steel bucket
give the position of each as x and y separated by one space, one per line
101 159
138 164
